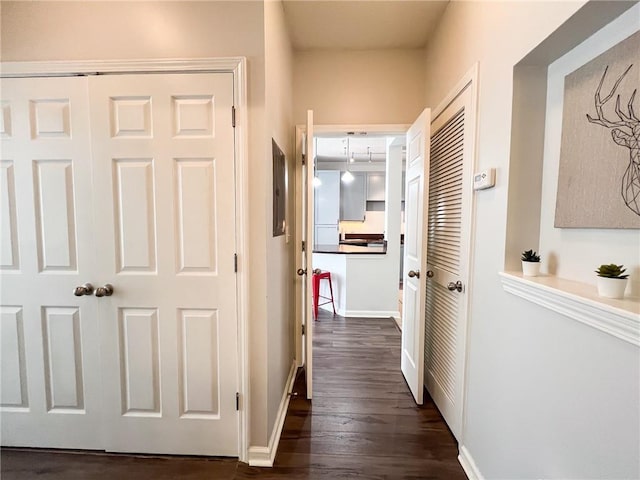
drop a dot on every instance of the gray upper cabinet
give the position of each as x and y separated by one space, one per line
376 187
353 198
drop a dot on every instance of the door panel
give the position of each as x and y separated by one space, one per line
416 191
50 357
447 258
164 177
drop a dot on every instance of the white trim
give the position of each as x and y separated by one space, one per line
468 465
242 227
64 68
388 129
237 66
367 313
298 213
469 80
620 318
265 456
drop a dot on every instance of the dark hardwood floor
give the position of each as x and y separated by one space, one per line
362 424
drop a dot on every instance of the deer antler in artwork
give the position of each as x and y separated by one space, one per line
626 133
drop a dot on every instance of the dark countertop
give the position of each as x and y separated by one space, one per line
349 249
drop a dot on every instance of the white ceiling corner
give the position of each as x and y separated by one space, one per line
361 24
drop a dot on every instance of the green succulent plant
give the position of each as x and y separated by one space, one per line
611 271
530 256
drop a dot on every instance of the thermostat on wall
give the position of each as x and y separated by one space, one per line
484 179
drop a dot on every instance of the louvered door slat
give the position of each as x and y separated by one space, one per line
443 250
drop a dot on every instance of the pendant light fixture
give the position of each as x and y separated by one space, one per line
347 176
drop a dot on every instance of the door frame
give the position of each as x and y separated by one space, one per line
468 80
391 129
238 67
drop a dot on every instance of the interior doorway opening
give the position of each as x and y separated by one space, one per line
358 221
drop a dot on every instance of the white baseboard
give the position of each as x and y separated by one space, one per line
468 465
264 456
370 313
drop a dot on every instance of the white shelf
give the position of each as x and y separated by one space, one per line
579 301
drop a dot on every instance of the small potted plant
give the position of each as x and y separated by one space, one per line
611 280
530 263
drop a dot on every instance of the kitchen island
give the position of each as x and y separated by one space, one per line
362 283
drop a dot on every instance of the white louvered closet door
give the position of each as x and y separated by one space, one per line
447 258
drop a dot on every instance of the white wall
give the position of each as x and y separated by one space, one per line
546 397
279 250
359 87
54 30
578 252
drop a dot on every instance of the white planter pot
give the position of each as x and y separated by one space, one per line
611 287
530 269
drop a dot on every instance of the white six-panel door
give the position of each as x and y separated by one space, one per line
413 315
159 228
50 377
164 223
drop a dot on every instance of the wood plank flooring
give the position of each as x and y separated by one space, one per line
362 424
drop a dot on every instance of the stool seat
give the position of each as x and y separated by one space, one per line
316 277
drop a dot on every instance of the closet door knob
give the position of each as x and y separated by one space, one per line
414 273
105 291
86 289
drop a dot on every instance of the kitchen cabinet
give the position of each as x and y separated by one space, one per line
353 198
327 208
376 187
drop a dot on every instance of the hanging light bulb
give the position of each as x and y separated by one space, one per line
347 176
316 182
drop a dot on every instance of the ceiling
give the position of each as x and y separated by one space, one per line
363 24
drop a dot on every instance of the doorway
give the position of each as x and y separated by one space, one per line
425 357
358 220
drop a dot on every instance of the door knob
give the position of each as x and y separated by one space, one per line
301 271
430 273
105 291
413 273
86 289
455 286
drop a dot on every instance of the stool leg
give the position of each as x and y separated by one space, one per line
331 290
316 293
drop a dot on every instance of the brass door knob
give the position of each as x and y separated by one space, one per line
414 273
301 271
86 289
105 291
455 286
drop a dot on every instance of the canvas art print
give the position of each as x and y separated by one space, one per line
599 177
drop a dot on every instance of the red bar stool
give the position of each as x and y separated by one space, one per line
316 277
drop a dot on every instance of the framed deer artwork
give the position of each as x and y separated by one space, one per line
599 175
